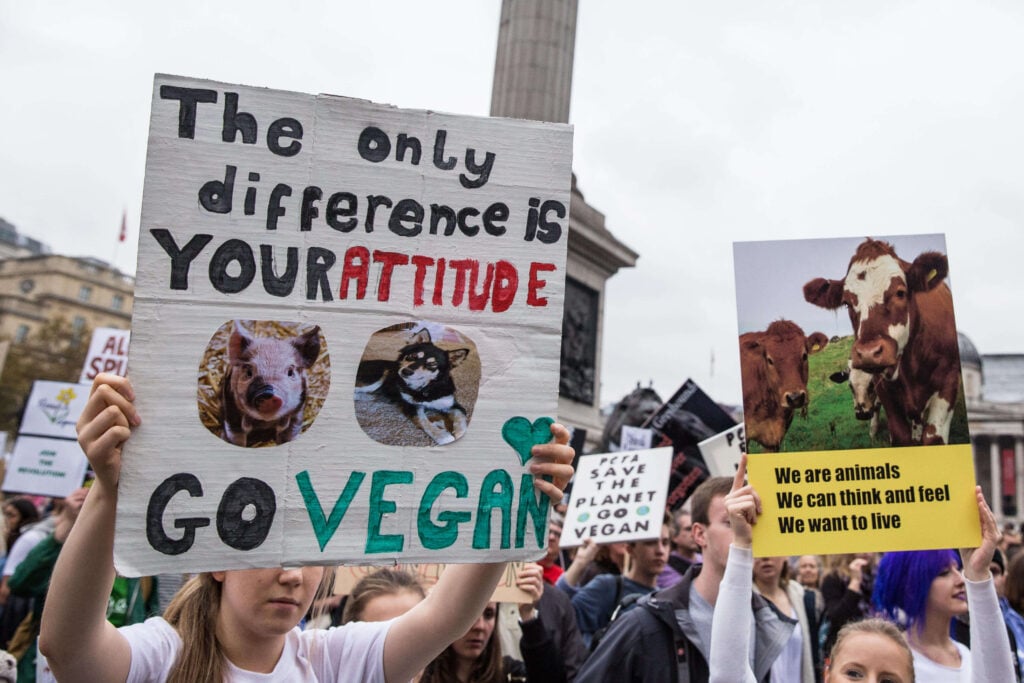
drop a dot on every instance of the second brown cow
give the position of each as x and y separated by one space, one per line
773 364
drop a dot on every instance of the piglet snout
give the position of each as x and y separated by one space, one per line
264 398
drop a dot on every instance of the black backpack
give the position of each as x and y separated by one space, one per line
621 605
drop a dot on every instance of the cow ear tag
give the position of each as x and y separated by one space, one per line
521 435
931 275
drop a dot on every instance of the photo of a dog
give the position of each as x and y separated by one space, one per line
416 380
262 382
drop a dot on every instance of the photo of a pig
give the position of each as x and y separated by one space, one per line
261 395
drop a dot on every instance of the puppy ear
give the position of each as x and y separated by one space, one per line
457 356
421 337
239 341
308 346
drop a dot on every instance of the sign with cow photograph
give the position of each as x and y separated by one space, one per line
854 415
617 497
346 332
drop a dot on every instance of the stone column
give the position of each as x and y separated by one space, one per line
533 80
996 477
533 69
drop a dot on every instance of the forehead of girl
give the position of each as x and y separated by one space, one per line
873 652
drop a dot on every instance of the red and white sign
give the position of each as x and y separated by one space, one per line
108 352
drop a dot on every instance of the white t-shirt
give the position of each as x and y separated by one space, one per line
928 670
788 664
354 652
29 539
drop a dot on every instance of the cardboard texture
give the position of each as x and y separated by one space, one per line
340 305
851 372
346 578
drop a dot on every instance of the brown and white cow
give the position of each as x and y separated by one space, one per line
902 317
773 365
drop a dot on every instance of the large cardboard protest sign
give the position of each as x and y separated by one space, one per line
854 415
108 352
346 332
617 497
45 467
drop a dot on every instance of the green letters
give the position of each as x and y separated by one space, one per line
325 528
375 541
437 536
490 499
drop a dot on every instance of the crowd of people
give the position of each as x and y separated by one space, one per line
691 604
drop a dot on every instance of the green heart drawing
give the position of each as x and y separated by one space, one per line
521 435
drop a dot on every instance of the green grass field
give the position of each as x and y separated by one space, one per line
830 423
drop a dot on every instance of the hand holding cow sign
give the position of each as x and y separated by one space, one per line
978 560
250 615
744 507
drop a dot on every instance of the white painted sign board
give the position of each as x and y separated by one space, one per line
618 497
45 467
108 352
344 315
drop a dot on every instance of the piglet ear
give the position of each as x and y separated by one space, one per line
308 346
816 342
239 341
457 356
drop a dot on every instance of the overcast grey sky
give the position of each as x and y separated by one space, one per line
697 124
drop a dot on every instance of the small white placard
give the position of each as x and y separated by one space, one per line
53 409
45 467
636 438
722 451
108 352
618 497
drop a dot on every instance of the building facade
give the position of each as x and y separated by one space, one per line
85 292
994 389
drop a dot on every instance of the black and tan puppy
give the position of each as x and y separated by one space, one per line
263 393
420 383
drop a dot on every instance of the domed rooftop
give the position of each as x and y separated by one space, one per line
968 352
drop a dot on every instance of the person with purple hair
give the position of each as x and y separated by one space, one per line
923 590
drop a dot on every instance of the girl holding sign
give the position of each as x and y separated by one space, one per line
239 625
929 614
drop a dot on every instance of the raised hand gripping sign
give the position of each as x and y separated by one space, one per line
340 306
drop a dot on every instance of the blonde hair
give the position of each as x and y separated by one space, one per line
193 612
384 581
873 626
